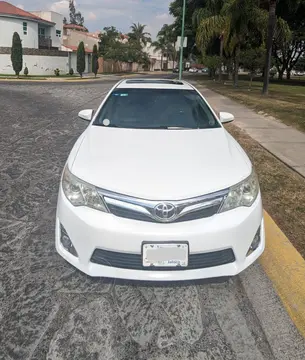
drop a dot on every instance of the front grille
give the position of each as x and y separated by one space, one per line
134 261
146 210
134 215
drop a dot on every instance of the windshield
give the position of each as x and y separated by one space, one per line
156 109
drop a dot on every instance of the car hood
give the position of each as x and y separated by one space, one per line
159 164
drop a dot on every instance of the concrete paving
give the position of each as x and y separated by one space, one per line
49 310
285 142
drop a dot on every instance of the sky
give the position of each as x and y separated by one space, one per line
101 13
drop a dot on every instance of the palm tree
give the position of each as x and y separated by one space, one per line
167 37
160 45
231 21
139 35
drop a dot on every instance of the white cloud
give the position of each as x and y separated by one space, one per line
20 6
91 16
157 22
163 17
101 13
60 6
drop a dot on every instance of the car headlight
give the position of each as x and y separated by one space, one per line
242 194
80 193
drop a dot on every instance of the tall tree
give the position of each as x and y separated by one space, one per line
81 59
160 45
16 54
271 31
109 40
76 18
231 21
95 64
286 52
139 35
166 42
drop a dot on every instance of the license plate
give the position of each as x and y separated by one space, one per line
165 254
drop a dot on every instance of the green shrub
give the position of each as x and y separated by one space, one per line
71 72
81 58
26 71
57 72
16 54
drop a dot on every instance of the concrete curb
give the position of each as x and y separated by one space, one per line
72 80
286 269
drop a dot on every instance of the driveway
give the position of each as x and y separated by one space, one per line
49 310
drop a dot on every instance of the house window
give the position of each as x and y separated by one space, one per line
58 33
25 28
42 32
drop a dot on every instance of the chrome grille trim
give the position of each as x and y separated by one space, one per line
143 210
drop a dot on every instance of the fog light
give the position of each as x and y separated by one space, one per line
255 243
66 242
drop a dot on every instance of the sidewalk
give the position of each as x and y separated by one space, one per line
285 142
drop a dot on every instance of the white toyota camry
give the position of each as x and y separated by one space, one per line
156 189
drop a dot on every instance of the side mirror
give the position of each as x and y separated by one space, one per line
225 117
86 114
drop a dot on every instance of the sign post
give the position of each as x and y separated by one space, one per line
182 40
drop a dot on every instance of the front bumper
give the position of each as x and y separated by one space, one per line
90 229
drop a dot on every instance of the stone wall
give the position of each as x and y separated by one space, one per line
37 52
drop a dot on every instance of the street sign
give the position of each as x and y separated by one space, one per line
178 42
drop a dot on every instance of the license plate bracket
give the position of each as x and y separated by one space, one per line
165 254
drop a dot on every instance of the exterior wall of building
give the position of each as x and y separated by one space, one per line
39 62
8 25
58 20
74 37
73 62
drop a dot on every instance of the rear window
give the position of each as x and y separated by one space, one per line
156 109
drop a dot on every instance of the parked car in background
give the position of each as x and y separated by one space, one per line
193 70
176 69
204 70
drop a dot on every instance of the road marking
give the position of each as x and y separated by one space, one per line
286 269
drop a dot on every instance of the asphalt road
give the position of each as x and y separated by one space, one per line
49 310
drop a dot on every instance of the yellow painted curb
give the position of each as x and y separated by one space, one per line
286 269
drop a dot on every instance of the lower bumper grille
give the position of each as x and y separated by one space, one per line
134 261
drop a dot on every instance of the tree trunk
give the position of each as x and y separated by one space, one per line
251 80
281 73
161 61
236 65
230 70
288 74
271 29
221 58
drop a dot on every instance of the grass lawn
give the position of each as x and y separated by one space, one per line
285 102
283 190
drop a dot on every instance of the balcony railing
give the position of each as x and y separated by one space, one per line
44 42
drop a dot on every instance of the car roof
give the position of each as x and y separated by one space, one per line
144 83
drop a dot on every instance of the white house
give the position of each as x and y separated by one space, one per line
157 59
41 35
72 36
37 30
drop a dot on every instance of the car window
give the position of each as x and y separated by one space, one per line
156 109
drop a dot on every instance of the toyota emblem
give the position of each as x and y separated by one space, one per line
165 212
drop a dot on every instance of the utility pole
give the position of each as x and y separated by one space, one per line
182 39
